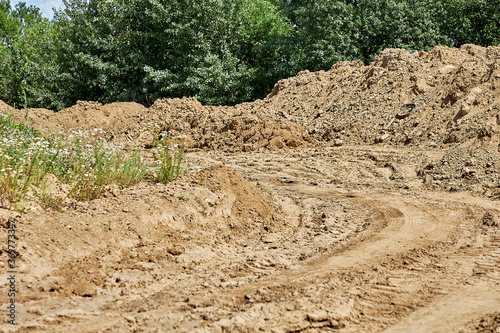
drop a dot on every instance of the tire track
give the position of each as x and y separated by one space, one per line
489 263
405 227
411 225
465 294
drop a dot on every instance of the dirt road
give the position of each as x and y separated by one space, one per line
317 239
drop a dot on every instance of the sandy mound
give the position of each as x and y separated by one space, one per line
251 206
4 107
488 323
437 98
116 119
132 229
131 124
243 127
475 170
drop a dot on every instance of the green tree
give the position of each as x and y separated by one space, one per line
222 52
408 24
326 33
471 21
331 30
8 29
26 56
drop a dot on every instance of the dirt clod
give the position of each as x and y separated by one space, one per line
176 250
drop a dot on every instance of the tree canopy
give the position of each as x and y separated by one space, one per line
222 52
26 56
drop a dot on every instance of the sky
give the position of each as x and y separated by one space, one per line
44 5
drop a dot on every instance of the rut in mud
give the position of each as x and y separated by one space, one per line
328 206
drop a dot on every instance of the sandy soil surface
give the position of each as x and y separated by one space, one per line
361 199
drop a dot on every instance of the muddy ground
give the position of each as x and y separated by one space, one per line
360 199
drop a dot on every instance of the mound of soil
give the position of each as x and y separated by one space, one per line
445 96
4 107
132 229
243 127
476 170
487 324
249 205
116 120
131 124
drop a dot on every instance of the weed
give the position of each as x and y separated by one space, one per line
133 169
48 199
107 227
200 202
18 164
182 198
168 158
75 158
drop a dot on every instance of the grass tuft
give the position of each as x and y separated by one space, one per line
169 155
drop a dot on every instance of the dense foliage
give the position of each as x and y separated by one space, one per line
27 63
222 52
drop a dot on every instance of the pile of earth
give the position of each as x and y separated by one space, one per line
441 98
131 124
4 107
487 324
446 98
131 228
243 127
